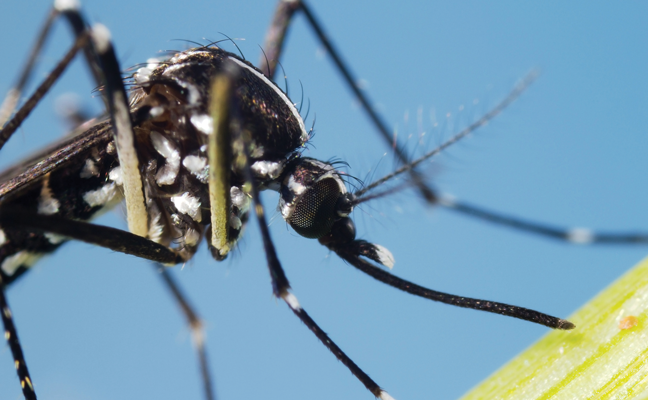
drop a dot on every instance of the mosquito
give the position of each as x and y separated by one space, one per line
300 296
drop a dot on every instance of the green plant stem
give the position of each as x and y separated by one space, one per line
596 360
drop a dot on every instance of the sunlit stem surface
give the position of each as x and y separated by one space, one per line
605 357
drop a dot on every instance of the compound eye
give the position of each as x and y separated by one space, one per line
315 211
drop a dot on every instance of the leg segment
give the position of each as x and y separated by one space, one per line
195 324
280 285
103 236
16 349
284 13
42 90
277 31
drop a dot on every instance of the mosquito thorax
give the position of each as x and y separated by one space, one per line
313 197
170 102
180 85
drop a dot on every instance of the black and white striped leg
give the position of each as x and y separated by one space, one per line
273 46
276 36
105 68
280 285
69 9
196 326
11 336
100 56
576 235
11 100
101 59
114 239
41 91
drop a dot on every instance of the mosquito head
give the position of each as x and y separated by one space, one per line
313 197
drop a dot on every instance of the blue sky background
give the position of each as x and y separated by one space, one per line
98 325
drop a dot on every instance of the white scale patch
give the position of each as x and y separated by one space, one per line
580 235
100 196
235 222
298 189
66 5
189 205
194 93
385 257
168 173
268 169
144 74
447 200
47 204
239 199
115 175
203 122
101 37
292 301
385 396
156 111
22 258
191 237
89 169
156 228
53 238
198 167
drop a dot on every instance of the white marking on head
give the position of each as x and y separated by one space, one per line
101 196
66 5
142 75
292 301
189 205
385 257
194 94
203 122
580 235
167 149
101 37
89 169
3 238
14 261
198 167
281 94
47 203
